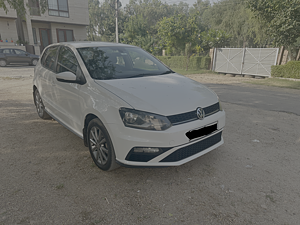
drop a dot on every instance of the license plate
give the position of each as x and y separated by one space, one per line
201 131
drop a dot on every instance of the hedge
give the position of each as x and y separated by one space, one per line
179 62
289 70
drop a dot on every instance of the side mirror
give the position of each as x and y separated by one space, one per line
66 77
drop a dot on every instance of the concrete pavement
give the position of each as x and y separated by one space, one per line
16 71
260 97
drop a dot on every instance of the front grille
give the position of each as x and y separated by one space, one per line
193 149
191 116
212 109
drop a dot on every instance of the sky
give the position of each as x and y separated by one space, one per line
190 2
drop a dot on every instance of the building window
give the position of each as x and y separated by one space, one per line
34 35
64 35
34 7
58 8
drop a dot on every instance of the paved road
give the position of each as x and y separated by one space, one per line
266 98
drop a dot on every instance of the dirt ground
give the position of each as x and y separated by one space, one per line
48 176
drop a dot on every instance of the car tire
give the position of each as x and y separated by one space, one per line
3 63
100 146
34 62
40 108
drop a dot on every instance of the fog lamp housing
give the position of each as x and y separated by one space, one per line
145 150
144 154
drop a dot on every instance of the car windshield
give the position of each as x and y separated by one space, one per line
118 62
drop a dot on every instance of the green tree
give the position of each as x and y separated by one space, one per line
143 16
233 17
102 20
282 19
92 29
200 7
178 31
136 32
152 11
214 39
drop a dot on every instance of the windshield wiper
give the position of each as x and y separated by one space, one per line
151 74
143 75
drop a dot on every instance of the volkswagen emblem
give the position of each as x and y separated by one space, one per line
200 113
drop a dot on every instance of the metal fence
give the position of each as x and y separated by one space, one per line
250 61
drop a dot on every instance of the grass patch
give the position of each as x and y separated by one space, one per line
275 82
189 72
289 70
58 187
271 198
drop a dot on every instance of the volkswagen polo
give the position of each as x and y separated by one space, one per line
128 107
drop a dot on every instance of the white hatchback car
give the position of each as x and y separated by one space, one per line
128 107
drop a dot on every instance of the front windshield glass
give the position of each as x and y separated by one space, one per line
118 62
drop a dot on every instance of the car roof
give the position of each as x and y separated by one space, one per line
83 44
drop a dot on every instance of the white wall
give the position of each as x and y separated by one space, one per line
15 47
8 30
79 32
37 27
10 14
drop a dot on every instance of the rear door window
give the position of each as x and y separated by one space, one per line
7 51
19 52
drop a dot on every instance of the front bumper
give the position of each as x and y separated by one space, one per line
179 149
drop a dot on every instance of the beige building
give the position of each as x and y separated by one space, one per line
65 20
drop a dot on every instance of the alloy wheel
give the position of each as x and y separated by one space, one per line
34 62
99 145
2 63
39 104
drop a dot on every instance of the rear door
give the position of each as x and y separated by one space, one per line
46 74
22 56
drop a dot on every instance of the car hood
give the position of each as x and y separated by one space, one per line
164 94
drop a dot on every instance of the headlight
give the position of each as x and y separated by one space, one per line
220 106
144 120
